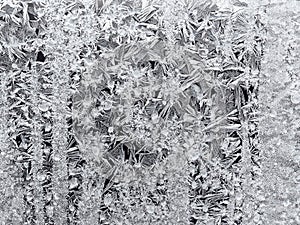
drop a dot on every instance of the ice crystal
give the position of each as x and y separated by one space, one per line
149 112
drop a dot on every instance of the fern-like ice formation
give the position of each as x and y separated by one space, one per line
149 112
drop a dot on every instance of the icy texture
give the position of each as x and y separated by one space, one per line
149 112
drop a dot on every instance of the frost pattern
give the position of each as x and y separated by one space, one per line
149 112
